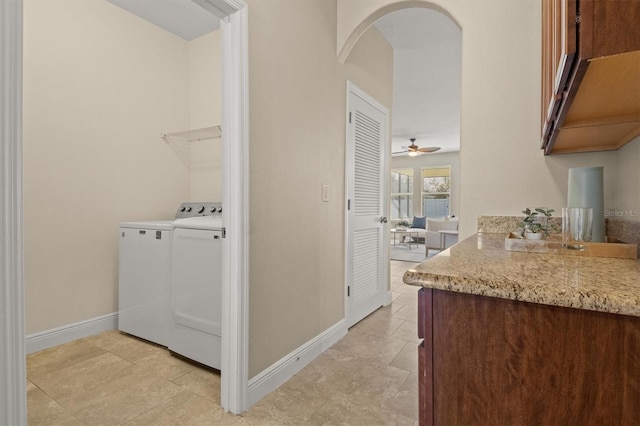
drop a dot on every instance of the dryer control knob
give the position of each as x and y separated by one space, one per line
201 209
188 209
183 208
219 209
212 210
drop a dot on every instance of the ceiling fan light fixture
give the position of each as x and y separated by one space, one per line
414 150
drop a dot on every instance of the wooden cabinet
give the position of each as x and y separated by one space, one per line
425 358
590 64
491 361
559 38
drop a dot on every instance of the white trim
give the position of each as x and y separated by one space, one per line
352 88
13 375
388 298
235 258
347 236
235 198
219 8
57 336
289 365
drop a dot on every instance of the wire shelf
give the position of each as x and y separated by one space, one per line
180 141
194 135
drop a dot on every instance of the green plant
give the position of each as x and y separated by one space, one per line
536 221
403 224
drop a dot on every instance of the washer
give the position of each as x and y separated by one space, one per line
144 280
196 286
144 274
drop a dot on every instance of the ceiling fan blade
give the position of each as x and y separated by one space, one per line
414 149
429 149
399 152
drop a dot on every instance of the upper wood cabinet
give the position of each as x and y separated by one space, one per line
590 74
559 38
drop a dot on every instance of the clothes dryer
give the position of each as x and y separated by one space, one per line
196 288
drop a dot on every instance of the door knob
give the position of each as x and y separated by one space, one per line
383 219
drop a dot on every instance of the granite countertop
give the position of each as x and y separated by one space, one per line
480 265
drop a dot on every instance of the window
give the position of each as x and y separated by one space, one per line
401 193
436 191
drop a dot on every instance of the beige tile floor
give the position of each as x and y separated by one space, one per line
367 378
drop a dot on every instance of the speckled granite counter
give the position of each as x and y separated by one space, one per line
480 265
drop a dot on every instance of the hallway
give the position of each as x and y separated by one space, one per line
370 377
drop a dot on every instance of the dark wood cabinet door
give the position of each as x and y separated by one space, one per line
559 49
610 27
425 357
503 362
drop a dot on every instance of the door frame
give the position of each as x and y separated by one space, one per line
235 119
235 198
13 372
353 90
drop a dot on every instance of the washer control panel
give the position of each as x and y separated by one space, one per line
199 209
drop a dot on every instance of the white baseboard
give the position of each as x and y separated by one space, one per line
57 336
388 298
281 371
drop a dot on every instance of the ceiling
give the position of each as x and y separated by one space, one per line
183 18
427 65
426 77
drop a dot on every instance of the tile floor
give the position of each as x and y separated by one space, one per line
367 378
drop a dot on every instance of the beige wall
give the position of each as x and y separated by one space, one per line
297 124
100 85
205 105
627 195
431 160
502 168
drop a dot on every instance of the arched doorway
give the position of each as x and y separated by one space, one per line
356 20
427 44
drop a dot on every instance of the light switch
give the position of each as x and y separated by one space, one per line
325 193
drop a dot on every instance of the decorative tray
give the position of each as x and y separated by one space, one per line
553 245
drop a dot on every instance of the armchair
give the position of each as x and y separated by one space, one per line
435 239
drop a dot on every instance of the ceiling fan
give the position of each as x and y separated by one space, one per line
414 150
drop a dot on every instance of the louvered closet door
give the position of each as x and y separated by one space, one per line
366 252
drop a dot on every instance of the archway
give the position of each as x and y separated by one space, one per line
344 47
428 80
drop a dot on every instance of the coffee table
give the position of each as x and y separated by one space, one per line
404 233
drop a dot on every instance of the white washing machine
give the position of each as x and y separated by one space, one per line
144 280
196 287
144 294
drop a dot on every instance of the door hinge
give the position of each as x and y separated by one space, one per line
224 232
348 290
348 204
349 117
